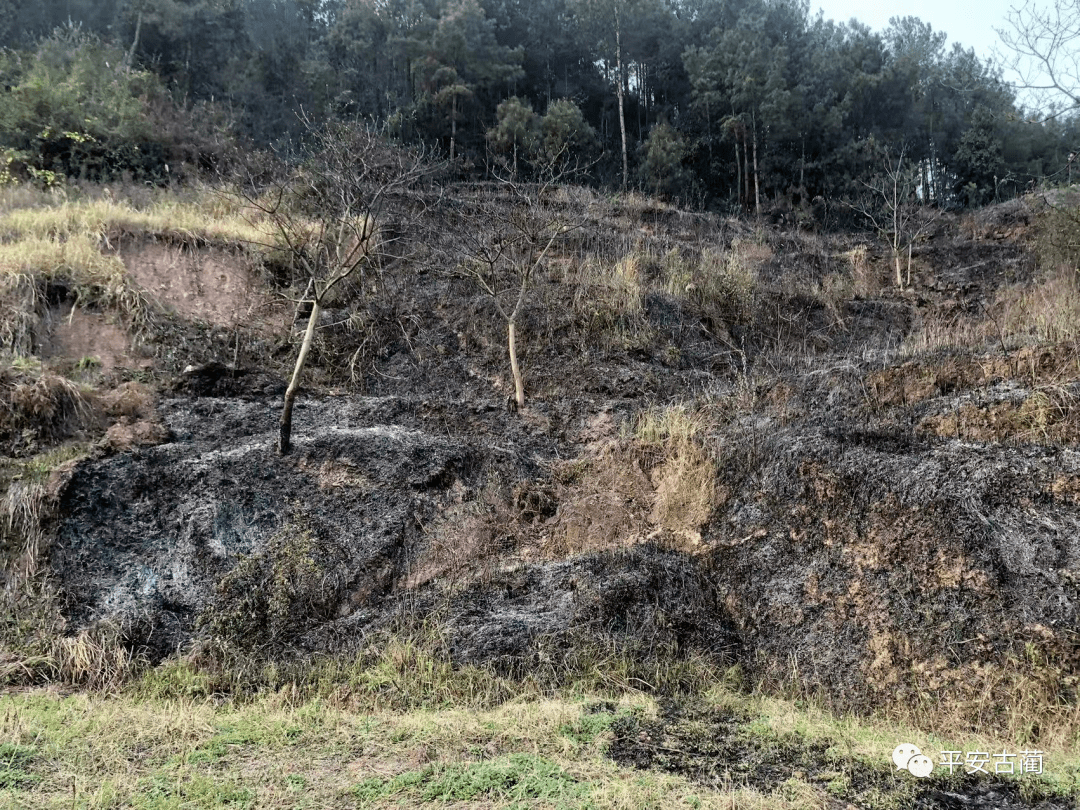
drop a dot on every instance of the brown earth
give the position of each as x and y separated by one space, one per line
87 337
210 284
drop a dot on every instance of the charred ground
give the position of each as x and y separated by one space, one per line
741 445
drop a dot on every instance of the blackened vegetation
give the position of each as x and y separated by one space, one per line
718 748
849 531
213 525
646 602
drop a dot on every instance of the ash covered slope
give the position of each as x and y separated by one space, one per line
849 495
330 536
149 533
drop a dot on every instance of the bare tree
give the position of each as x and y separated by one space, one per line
507 238
328 215
1045 52
893 209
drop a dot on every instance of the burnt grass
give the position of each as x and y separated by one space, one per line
895 525
718 748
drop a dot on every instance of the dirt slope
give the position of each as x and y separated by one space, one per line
859 499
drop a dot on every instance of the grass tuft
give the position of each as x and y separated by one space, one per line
39 406
686 479
611 299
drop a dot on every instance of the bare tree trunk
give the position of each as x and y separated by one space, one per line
453 125
130 57
738 173
285 426
511 342
619 79
896 222
746 174
757 179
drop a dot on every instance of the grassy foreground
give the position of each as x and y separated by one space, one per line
134 749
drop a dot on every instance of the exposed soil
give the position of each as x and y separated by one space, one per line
87 337
208 284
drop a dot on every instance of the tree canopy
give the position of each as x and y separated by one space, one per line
730 103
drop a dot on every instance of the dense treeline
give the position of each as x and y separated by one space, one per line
726 103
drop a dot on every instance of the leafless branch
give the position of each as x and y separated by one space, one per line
329 215
1045 52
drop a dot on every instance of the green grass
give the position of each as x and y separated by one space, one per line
508 780
97 751
163 791
15 761
38 468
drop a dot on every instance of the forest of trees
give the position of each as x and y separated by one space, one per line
724 104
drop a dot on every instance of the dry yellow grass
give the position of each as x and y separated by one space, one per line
1045 311
671 426
611 299
685 480
215 217
1048 311
45 237
75 255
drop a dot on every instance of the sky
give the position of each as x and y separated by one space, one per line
970 23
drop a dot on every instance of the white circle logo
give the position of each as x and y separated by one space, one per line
902 753
921 766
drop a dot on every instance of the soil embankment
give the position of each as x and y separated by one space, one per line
740 445
884 521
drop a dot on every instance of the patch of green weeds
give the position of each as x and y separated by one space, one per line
26 364
14 763
37 469
165 792
837 784
513 779
88 363
595 720
231 738
295 781
174 679
587 728
376 787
